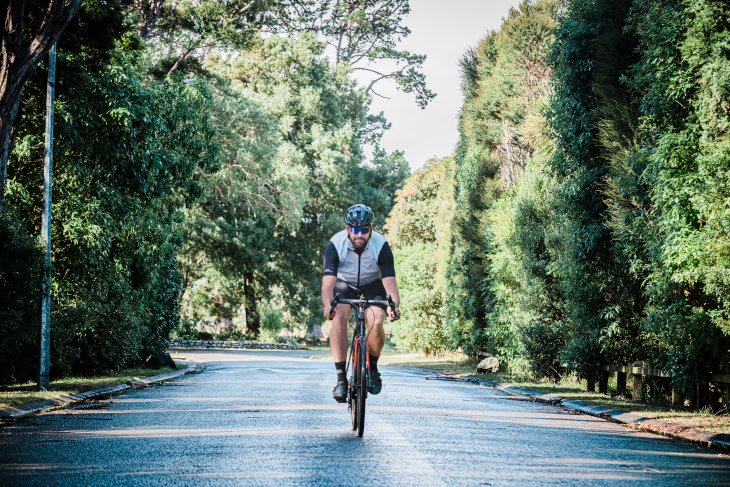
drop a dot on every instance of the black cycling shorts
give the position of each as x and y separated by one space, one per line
374 290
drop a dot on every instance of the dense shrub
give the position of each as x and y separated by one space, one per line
421 326
21 264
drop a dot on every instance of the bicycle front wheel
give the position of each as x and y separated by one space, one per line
362 389
352 393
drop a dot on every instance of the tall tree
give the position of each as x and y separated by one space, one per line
22 48
360 32
292 129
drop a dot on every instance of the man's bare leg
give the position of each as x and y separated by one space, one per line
374 318
376 340
338 335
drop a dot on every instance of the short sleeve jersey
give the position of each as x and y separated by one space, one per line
358 268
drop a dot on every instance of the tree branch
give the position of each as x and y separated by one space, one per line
184 55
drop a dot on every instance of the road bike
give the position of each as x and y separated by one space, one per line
357 391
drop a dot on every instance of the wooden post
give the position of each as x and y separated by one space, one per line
591 386
693 401
727 395
44 364
703 391
603 378
638 387
676 398
621 382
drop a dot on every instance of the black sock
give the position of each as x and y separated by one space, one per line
341 369
373 362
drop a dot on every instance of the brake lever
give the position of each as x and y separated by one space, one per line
333 304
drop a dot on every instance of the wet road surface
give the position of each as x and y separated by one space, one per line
268 418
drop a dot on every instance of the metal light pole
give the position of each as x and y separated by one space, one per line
45 355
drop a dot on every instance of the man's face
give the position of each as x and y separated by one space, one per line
359 240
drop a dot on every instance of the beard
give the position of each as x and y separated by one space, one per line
360 242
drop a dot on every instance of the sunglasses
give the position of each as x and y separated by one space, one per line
359 230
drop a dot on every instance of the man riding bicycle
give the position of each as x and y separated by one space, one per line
358 261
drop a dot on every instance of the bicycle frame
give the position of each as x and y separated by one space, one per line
359 382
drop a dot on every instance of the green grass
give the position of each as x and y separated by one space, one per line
318 349
569 387
25 393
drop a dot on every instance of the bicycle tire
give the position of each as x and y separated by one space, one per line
353 392
362 389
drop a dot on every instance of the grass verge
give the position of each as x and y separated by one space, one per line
25 393
570 387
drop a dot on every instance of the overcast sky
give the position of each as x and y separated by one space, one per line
443 31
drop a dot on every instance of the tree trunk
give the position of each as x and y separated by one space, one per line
150 11
8 111
19 60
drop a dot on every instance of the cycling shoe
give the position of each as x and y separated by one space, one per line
376 384
340 391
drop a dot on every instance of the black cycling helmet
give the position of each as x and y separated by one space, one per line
359 216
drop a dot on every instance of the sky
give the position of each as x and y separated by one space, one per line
443 31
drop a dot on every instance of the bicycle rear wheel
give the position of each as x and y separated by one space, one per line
362 388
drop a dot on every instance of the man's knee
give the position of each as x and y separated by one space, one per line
342 315
376 319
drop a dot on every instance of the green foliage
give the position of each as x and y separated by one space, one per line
215 195
414 231
591 118
291 129
421 326
189 27
272 322
528 319
21 266
502 80
684 92
413 218
126 153
359 32
611 247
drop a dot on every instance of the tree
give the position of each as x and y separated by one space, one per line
503 79
291 128
189 26
683 93
413 231
20 58
413 217
360 31
125 165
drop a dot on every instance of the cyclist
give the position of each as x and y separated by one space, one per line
358 261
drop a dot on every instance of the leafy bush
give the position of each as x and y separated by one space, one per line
127 151
272 322
421 326
21 266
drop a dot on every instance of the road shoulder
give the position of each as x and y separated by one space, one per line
632 420
13 413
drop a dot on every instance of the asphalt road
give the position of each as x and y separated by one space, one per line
268 418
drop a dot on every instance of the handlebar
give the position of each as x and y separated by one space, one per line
362 301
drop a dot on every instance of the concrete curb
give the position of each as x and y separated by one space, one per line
14 413
632 420
222 345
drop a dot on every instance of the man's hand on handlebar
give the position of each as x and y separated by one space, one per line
329 311
394 316
393 310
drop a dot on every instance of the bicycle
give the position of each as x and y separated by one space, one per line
357 389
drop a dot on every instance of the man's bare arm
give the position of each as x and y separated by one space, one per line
391 287
328 288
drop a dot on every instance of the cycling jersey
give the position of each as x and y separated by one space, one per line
362 267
